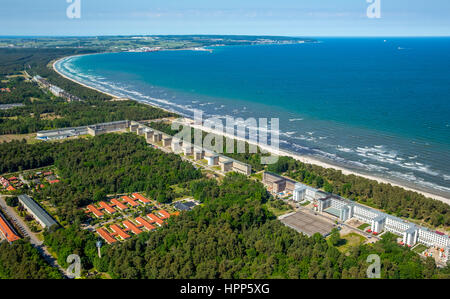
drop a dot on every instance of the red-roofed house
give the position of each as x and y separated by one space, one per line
115 228
95 211
154 218
106 236
7 231
141 198
119 204
145 223
164 214
130 201
130 225
107 207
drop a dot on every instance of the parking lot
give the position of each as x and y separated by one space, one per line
307 223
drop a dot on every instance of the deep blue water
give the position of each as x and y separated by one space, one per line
381 107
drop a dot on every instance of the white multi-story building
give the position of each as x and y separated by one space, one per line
396 225
433 238
305 193
364 214
187 149
378 223
411 234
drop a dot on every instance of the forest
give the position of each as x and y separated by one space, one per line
92 168
20 260
232 235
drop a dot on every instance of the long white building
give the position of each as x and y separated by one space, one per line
411 234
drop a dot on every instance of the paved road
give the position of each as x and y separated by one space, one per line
27 233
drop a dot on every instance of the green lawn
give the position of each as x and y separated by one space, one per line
363 226
257 176
420 248
278 207
350 240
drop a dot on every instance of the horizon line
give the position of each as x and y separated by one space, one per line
201 34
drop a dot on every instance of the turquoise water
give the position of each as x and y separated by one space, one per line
379 107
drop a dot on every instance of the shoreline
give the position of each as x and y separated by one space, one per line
281 152
114 97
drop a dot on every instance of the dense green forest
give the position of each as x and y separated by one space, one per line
19 155
16 60
393 200
232 235
20 260
72 240
92 168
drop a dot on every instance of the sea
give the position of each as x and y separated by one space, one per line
378 106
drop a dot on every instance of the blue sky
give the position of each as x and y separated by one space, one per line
253 17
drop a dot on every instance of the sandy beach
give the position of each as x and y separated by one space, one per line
301 158
311 160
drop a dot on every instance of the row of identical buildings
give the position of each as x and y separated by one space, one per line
226 164
55 90
345 209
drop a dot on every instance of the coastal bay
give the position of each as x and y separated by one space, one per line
411 159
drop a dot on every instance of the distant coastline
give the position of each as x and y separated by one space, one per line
301 158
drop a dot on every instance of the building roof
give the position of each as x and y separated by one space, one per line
106 236
37 210
130 201
107 207
119 204
141 198
145 223
119 231
155 218
181 206
164 214
7 231
132 227
95 211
